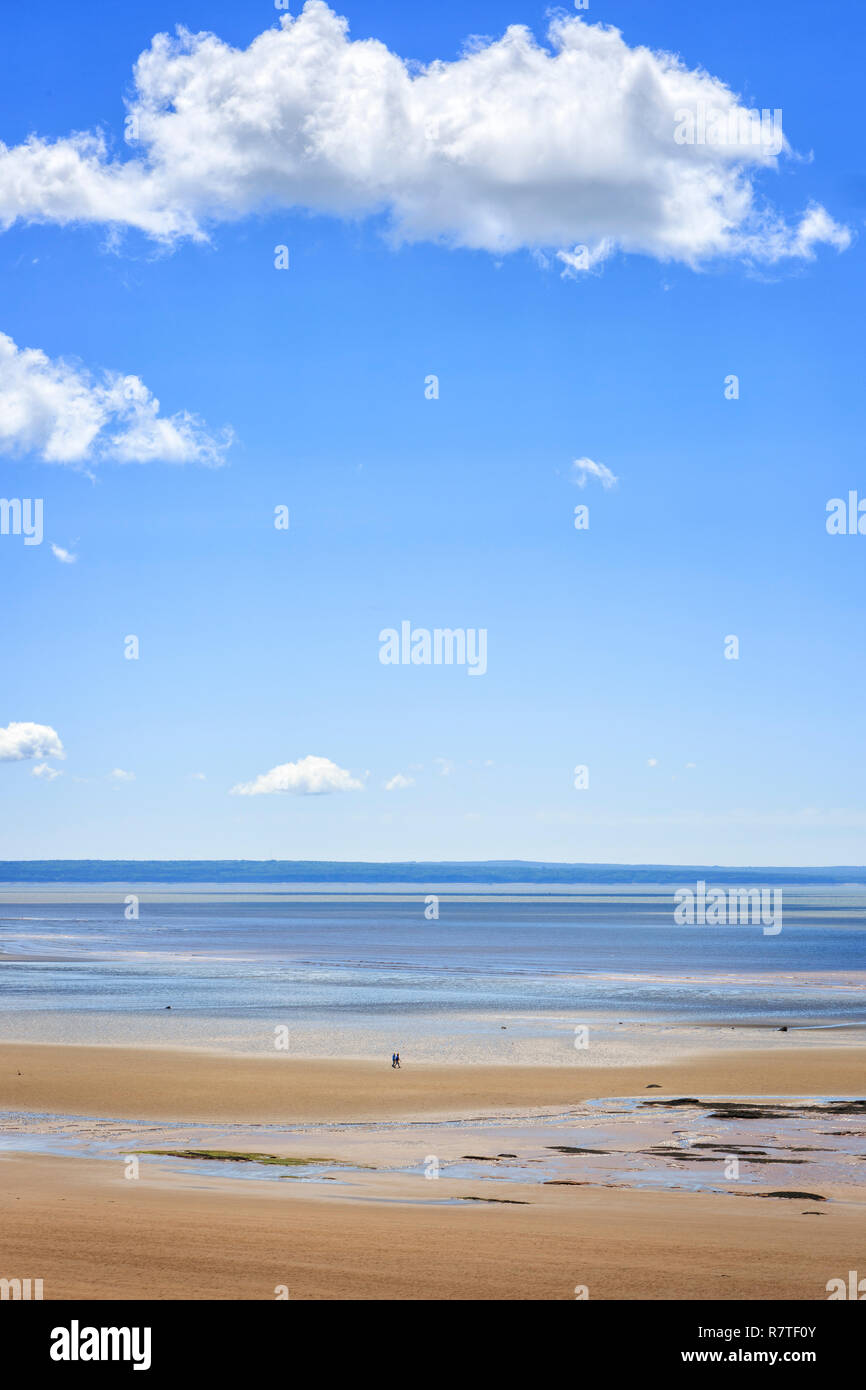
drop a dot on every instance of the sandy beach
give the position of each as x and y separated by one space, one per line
195 1084
384 1231
89 1237
679 1119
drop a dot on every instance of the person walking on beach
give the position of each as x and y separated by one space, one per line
393 1060
397 1060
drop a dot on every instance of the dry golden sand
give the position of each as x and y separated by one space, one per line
157 1083
88 1232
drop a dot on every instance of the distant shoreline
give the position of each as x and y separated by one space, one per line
215 871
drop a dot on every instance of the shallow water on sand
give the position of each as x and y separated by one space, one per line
690 1143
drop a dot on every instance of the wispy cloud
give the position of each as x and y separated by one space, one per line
46 772
584 469
399 782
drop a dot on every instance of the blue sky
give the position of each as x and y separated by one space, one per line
259 647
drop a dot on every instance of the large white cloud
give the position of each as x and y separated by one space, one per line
571 146
309 776
25 740
66 415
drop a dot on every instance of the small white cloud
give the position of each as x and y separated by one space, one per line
652 762
63 414
691 764
64 556
445 766
584 469
817 228
197 777
24 740
46 772
398 782
118 775
309 776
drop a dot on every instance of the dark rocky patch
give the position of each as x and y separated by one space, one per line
501 1201
683 1100
682 1154
738 1149
760 1110
746 1114
797 1196
567 1149
687 1157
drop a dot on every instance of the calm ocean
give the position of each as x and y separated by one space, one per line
611 952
